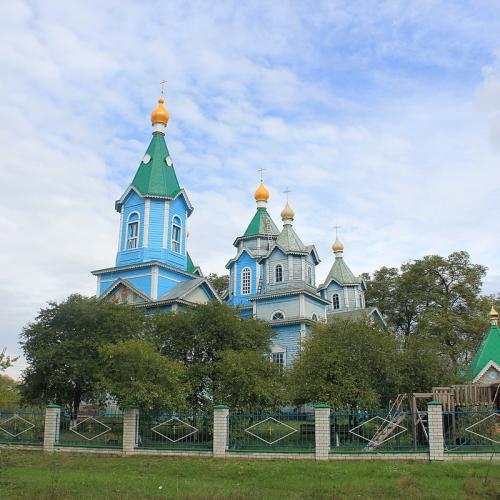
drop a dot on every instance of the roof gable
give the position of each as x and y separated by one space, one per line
488 351
341 274
123 292
260 223
187 288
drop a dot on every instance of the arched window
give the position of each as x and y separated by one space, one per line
278 273
309 275
335 301
246 280
277 316
314 317
176 234
133 231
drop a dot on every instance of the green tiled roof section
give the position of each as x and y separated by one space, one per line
489 350
341 273
289 241
191 268
156 177
258 224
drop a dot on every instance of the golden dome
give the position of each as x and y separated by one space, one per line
337 246
287 212
261 194
160 114
493 313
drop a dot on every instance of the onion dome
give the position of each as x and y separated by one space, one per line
493 316
337 247
287 213
261 193
160 114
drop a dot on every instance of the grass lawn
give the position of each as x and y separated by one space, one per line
25 474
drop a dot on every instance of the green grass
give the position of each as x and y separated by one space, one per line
26 475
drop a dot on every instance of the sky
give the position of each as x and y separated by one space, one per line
382 117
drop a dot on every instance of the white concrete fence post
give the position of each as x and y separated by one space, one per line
322 431
130 429
221 430
436 437
51 428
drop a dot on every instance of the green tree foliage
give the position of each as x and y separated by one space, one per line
9 393
435 297
247 380
62 348
135 374
219 282
346 363
5 361
197 337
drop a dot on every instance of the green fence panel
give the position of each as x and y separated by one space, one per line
362 431
472 430
272 432
21 427
91 430
176 431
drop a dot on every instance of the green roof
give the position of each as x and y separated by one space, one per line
258 224
289 241
489 350
191 268
156 177
341 273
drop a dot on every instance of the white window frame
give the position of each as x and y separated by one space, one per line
278 354
335 295
174 242
309 275
277 312
276 272
128 238
244 272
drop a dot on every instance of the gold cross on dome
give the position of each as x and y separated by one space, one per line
336 230
261 170
162 86
286 191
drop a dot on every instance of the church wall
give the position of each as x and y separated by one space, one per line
140 278
167 280
237 298
288 337
277 257
178 208
156 223
313 307
133 203
198 296
288 305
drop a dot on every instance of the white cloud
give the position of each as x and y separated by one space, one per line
383 119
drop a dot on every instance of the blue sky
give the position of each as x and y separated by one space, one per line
382 117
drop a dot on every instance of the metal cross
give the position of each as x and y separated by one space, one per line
162 83
261 170
336 230
286 191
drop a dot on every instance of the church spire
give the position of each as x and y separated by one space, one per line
493 316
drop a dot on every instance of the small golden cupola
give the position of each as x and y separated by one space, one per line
493 316
261 195
160 116
287 214
337 246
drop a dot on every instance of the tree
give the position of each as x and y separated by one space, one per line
198 336
435 297
9 393
246 380
62 348
346 363
6 361
135 374
219 282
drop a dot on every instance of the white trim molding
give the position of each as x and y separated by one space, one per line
154 282
145 235
166 210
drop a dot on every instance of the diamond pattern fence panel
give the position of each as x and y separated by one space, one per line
176 431
362 431
472 430
91 430
277 432
22 427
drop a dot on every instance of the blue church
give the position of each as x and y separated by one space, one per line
272 276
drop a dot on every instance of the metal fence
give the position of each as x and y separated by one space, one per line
279 432
21 427
361 431
471 430
176 431
91 430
